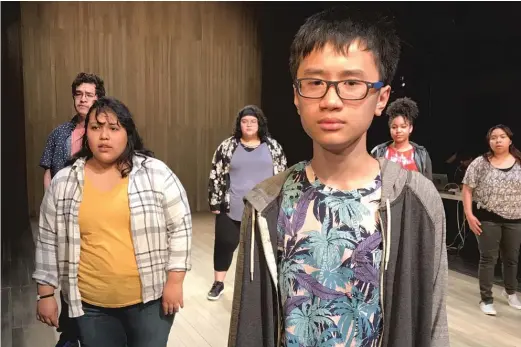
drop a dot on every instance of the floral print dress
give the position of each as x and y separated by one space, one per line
330 249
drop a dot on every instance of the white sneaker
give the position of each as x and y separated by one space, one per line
513 301
487 309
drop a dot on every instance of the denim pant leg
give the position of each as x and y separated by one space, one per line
146 325
101 327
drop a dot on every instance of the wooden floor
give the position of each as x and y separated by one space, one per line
204 323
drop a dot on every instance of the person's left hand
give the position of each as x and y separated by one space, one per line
172 297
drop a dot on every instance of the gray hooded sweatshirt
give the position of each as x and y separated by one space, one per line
413 278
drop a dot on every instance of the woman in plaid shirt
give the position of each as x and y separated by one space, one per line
115 233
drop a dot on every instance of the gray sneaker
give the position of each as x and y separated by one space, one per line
216 291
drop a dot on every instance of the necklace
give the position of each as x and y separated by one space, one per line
250 146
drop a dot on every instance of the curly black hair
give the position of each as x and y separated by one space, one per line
84 77
252 110
405 107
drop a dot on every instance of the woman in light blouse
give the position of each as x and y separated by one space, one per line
492 202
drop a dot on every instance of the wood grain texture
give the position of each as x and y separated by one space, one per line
203 323
183 68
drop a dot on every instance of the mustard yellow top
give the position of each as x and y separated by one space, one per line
107 274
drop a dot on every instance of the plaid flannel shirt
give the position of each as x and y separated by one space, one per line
160 222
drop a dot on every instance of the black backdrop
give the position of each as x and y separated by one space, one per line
460 64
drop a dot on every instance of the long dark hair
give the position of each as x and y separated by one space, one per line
134 142
512 149
252 110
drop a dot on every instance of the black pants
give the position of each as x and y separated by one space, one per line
498 237
227 234
68 327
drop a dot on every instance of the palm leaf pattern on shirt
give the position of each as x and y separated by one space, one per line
329 257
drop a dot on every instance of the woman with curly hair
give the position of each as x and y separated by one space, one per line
240 162
402 113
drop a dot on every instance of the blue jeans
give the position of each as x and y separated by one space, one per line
141 325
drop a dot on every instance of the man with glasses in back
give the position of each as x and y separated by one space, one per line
343 249
63 142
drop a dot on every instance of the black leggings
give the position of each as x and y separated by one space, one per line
227 234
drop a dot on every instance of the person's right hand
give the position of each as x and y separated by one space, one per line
47 311
216 212
475 224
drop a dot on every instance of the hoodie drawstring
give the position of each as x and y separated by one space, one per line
386 255
252 246
388 233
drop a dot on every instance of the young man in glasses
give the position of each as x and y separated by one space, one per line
344 249
63 142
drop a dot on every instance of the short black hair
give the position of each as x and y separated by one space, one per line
252 110
405 107
135 144
84 77
341 26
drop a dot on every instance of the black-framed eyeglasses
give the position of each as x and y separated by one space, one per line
79 95
314 88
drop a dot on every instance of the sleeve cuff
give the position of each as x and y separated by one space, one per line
179 268
472 185
45 280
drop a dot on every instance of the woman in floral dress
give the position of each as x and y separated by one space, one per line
240 162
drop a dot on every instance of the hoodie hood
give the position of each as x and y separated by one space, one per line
393 182
394 178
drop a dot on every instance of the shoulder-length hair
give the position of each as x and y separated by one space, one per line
134 142
252 110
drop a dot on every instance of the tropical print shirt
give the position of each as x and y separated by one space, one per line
329 263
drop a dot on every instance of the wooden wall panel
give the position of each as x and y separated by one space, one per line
183 68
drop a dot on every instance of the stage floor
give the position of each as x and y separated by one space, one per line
203 323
